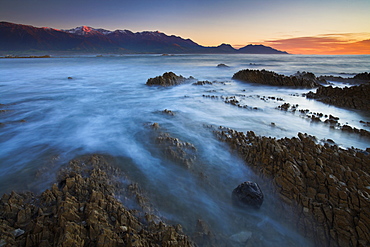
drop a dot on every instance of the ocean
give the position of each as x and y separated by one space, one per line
106 107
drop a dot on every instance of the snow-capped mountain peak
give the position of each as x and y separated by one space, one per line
84 30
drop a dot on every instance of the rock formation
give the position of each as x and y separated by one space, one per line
356 97
302 80
202 83
330 120
168 79
325 182
248 194
361 78
176 150
83 210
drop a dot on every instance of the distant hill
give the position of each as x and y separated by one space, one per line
17 38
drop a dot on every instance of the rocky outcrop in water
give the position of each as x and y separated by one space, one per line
356 97
302 80
168 79
202 83
330 120
248 194
360 78
325 182
83 210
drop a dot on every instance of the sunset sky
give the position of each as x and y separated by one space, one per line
295 26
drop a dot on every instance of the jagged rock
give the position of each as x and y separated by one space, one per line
202 83
362 76
326 186
271 78
356 97
357 79
222 65
168 79
177 150
248 194
83 210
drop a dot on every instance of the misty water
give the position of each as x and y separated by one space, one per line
107 108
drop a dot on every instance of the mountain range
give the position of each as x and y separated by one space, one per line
17 38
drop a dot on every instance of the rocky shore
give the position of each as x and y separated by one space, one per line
83 209
356 97
323 183
299 80
360 78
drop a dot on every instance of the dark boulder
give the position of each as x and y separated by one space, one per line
167 79
248 194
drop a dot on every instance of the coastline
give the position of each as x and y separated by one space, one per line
322 184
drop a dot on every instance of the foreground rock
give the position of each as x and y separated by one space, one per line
356 97
82 210
300 80
248 194
323 183
168 79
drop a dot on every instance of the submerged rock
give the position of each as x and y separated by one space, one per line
241 237
168 79
271 78
248 194
168 112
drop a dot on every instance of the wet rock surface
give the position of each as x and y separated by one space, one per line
222 65
356 97
329 120
232 100
248 194
177 150
202 83
357 79
168 79
4 111
301 80
83 210
324 183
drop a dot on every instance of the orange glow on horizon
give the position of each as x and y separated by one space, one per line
329 44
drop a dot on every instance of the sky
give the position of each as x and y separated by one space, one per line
295 26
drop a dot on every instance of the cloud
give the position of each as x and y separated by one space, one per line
330 44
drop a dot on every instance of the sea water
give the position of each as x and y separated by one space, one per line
107 108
